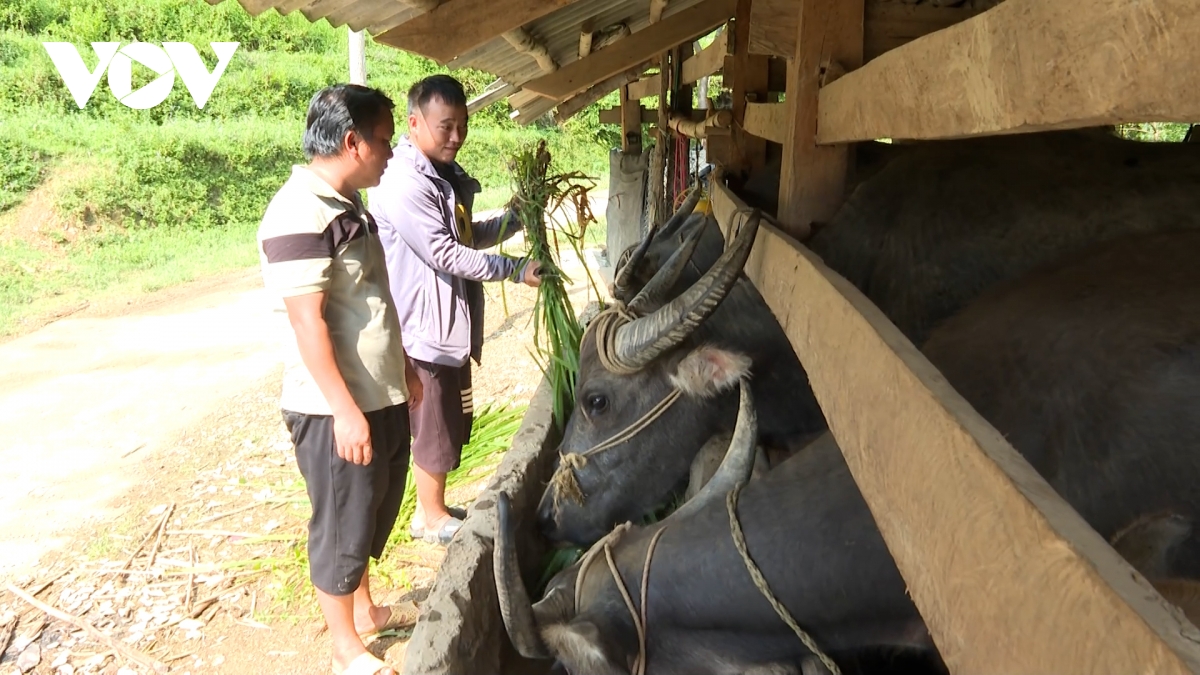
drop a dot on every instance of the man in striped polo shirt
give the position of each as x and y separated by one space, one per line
348 385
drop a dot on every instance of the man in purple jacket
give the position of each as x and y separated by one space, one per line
423 208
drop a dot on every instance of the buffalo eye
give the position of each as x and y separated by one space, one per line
595 404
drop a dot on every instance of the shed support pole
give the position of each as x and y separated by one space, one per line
812 179
749 84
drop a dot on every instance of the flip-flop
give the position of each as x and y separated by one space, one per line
455 512
401 615
364 664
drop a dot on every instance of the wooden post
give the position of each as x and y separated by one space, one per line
662 144
749 84
812 180
631 123
358 57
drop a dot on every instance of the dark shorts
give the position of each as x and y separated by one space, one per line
353 506
441 425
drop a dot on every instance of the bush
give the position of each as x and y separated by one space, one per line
175 165
22 167
191 175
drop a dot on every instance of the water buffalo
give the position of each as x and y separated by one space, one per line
1090 368
923 236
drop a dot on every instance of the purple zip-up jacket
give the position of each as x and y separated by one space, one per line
434 277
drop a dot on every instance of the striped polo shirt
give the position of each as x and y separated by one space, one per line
312 239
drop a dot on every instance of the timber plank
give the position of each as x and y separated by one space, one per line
615 116
1024 66
658 37
457 26
887 25
1009 578
645 87
767 120
748 76
812 178
573 105
708 61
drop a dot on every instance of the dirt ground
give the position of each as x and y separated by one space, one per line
147 485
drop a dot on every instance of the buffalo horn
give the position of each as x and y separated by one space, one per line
679 217
515 608
668 274
625 272
643 340
738 463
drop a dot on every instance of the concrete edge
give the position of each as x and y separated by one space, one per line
460 629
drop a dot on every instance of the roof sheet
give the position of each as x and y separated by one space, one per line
558 31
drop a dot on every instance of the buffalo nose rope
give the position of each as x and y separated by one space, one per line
564 482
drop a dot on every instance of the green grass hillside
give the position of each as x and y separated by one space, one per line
109 199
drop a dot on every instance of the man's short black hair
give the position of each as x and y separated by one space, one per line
444 87
340 108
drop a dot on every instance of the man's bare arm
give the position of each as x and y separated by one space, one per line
350 430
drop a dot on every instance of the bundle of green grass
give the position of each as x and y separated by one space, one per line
556 329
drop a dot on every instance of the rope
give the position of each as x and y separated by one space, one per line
760 582
606 324
640 665
588 557
638 617
564 481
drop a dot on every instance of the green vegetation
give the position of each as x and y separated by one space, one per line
556 329
108 199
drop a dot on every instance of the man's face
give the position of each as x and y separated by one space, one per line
373 152
439 130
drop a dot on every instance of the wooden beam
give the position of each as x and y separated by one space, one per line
613 115
708 61
631 124
532 111
522 41
596 92
887 25
657 176
1021 585
422 5
657 7
361 15
1024 66
645 87
767 120
749 82
494 92
523 98
455 26
581 74
812 178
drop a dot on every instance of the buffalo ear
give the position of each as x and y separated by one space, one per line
581 648
708 371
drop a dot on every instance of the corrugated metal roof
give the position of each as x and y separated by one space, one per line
558 31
